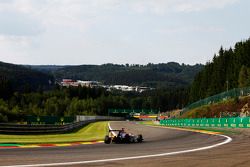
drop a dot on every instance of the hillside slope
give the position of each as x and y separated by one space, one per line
20 78
153 75
229 108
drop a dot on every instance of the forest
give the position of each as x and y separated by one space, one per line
85 101
229 69
32 91
162 75
19 78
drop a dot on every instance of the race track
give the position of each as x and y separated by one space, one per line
158 141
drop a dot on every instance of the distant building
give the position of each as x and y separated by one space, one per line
126 88
71 82
91 84
142 89
67 82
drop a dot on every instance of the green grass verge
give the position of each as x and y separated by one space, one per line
91 132
146 123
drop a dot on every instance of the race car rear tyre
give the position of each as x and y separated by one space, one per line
107 140
139 138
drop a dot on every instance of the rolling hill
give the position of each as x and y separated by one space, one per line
154 75
21 78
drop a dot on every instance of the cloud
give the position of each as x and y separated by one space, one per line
39 30
200 5
14 48
16 24
29 17
166 6
188 29
15 41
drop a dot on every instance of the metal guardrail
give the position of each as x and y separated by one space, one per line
41 129
85 118
7 128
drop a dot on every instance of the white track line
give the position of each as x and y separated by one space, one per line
228 140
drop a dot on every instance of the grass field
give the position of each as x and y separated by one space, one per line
91 132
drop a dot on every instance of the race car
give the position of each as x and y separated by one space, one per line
122 137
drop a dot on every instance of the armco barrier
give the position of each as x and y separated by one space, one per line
41 129
236 122
45 128
85 118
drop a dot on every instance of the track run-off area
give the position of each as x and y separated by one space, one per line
161 147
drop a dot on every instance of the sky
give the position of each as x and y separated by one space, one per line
73 32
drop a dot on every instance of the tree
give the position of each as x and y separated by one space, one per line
5 88
244 77
228 69
3 111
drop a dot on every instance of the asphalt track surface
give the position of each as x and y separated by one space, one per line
157 141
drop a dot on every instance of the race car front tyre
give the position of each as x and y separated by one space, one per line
107 139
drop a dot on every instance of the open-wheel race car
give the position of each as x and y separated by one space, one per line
120 136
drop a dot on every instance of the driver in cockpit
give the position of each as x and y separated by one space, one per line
122 133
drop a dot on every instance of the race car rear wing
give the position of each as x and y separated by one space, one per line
114 130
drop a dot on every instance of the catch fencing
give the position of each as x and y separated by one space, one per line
133 111
237 92
235 122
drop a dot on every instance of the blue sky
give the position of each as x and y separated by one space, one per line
119 31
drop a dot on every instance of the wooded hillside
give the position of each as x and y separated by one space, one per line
230 68
19 78
153 75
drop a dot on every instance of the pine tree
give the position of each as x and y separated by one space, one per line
243 77
229 68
